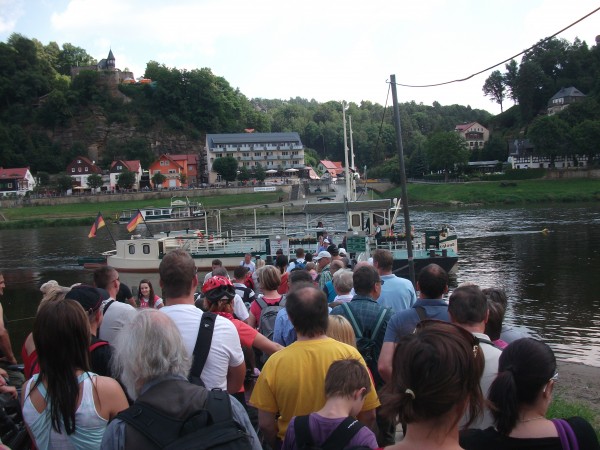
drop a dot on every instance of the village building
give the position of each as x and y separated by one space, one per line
119 166
281 153
16 181
80 169
563 98
333 168
475 134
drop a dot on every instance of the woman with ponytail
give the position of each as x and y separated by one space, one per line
520 397
435 381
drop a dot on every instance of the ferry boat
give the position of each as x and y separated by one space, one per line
179 210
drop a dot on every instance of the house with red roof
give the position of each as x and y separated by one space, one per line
172 169
191 169
118 166
475 134
16 181
334 168
80 169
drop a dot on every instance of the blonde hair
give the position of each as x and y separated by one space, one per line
53 292
269 277
339 328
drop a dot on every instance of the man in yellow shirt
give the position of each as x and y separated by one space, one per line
292 382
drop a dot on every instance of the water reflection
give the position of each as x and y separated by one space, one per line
551 279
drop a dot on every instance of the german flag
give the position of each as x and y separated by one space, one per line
135 221
98 223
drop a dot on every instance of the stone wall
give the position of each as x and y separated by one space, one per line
571 173
146 198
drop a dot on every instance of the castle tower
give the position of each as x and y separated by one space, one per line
110 61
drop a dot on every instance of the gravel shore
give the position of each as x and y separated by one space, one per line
580 383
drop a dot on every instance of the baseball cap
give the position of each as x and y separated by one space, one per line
322 254
342 251
87 296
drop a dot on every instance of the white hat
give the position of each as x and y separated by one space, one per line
323 254
342 251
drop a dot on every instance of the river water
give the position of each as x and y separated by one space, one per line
552 279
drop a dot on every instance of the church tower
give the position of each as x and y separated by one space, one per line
110 61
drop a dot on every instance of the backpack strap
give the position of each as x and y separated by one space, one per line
202 347
303 435
420 312
144 418
261 302
352 320
379 322
343 434
107 306
282 300
97 344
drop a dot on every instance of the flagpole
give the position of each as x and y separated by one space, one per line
109 233
144 220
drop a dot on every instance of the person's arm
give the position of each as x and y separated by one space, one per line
384 364
368 419
267 422
109 397
5 345
241 417
235 378
265 345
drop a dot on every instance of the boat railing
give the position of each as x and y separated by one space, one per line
215 244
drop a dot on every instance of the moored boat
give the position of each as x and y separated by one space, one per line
179 210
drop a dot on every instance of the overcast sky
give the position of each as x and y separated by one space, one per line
326 49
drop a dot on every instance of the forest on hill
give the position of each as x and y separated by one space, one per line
47 118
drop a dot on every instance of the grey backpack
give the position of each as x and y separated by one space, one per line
268 314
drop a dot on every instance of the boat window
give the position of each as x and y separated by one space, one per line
165 211
355 221
146 249
149 213
132 249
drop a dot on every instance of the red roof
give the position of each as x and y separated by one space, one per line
191 158
132 166
17 172
335 165
464 126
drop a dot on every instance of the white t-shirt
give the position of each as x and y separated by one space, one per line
251 266
225 350
239 308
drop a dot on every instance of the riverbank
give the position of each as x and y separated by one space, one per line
578 386
500 192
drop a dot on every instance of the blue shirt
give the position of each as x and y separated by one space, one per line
396 293
284 333
329 291
404 322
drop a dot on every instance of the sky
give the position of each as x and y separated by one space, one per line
323 50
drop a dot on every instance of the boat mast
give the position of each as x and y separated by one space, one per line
347 170
404 196
352 166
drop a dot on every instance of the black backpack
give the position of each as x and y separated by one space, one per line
337 440
209 428
366 342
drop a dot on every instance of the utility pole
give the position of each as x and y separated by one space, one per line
404 196
353 181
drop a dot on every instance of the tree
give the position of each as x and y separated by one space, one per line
158 179
182 178
494 88
64 182
94 181
587 139
72 56
244 174
445 151
260 173
550 135
226 167
126 179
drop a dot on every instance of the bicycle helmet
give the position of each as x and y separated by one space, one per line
218 288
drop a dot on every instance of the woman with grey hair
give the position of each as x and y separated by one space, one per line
151 361
343 284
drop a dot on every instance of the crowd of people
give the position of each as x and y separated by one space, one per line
316 352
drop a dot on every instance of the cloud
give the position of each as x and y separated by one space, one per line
10 12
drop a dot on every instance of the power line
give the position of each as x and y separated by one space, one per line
501 62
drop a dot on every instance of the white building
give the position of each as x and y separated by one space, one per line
273 151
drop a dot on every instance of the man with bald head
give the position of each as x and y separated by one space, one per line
292 380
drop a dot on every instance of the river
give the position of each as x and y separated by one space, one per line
552 279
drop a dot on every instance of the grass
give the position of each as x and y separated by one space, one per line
53 215
560 408
516 192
